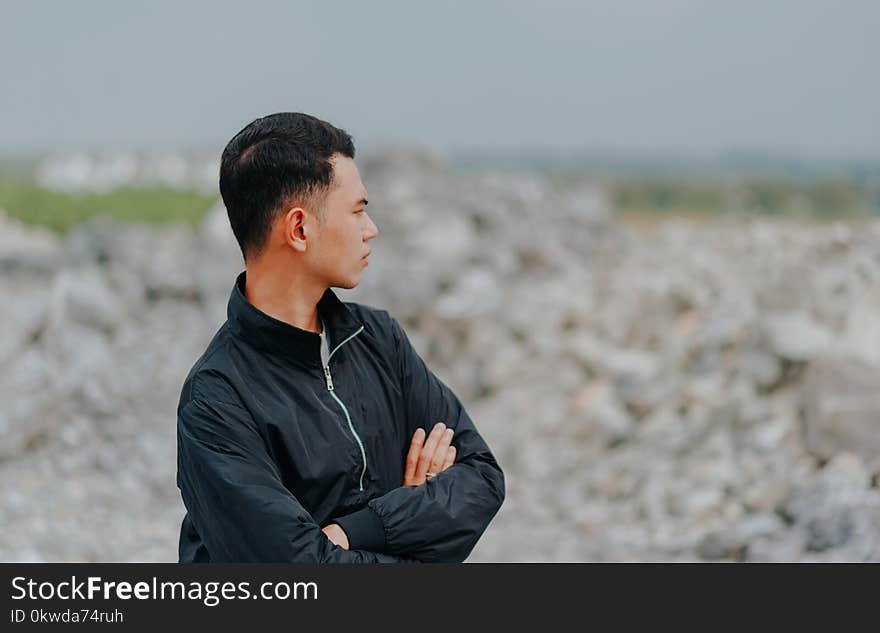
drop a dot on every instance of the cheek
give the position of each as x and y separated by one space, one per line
333 243
357 236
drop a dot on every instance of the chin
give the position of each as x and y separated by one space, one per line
348 284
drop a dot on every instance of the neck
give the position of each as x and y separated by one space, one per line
284 296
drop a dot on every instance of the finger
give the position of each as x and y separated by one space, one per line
450 457
428 449
412 457
440 451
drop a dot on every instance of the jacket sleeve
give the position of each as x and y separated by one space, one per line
235 498
442 519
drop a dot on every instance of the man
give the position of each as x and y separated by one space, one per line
310 430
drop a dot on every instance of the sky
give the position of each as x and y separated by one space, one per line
685 77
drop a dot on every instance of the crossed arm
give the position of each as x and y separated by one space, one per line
231 486
434 455
439 520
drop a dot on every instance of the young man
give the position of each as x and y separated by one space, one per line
310 430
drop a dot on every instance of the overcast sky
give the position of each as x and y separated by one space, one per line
668 76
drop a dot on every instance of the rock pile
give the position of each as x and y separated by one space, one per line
696 391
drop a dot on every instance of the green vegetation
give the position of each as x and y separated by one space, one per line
630 194
60 211
764 196
731 183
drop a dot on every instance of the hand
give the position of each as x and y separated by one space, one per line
336 534
436 455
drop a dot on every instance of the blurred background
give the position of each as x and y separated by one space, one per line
640 240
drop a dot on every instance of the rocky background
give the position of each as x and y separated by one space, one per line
684 390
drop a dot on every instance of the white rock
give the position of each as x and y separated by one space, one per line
795 336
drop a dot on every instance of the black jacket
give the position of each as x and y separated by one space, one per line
270 450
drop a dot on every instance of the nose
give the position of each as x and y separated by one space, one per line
372 229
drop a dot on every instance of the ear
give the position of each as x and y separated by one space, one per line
293 226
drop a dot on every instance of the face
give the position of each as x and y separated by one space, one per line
342 240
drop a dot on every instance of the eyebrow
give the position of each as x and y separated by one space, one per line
362 201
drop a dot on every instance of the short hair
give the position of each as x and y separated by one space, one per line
274 161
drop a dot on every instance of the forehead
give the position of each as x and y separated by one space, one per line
347 180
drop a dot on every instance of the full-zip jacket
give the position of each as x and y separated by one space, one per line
273 444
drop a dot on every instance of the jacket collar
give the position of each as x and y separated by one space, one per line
282 339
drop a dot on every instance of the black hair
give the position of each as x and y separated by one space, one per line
273 161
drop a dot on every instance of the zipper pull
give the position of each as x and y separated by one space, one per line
329 379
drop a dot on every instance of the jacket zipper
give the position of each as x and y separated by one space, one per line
344 409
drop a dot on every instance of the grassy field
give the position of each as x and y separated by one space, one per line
810 199
60 211
632 197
